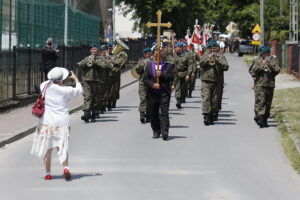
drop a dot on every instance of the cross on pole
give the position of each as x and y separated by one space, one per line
158 25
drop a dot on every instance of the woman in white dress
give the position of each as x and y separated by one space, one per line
54 126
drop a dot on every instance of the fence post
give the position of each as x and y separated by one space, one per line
29 71
14 78
289 58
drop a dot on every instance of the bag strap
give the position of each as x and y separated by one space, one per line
44 89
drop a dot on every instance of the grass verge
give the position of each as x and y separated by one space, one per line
286 107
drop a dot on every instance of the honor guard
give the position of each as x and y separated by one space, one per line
263 70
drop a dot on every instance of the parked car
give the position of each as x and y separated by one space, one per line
245 47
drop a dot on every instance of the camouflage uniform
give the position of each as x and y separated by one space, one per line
140 69
194 57
264 87
91 82
183 68
209 86
221 70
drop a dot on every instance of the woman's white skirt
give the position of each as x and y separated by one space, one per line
47 137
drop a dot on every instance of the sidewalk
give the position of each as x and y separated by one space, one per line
19 122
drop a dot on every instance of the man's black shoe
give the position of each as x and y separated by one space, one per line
178 104
261 122
155 134
165 135
86 116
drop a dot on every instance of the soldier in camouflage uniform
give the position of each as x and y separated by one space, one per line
221 70
183 70
263 70
91 68
140 69
210 66
194 58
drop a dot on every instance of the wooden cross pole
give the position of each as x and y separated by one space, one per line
158 25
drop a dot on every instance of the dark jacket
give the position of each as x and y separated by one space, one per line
167 75
49 58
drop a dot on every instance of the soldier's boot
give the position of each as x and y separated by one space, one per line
256 119
215 116
98 115
190 94
211 119
206 119
156 134
114 104
109 107
178 104
165 135
147 118
86 116
143 117
183 100
266 122
261 121
93 117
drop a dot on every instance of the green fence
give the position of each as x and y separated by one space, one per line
26 23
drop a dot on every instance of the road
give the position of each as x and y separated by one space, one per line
117 159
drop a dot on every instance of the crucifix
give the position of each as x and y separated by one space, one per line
158 25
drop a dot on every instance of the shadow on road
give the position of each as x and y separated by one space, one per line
117 109
176 113
224 123
175 137
179 126
78 176
127 107
107 120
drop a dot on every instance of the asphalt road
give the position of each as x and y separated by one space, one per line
116 158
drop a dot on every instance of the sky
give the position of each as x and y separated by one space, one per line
124 25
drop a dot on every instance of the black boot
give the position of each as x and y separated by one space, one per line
215 116
261 121
86 116
266 122
114 104
183 100
178 104
143 117
211 121
256 120
206 120
190 94
93 117
156 134
109 107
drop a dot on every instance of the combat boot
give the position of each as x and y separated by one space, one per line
143 117
266 122
215 116
86 116
165 135
93 117
178 104
183 100
114 104
206 120
190 94
261 121
109 107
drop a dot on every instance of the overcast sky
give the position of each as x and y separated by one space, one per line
124 25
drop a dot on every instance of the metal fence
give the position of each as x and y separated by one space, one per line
20 70
26 23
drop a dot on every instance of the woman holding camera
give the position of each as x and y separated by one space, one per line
54 126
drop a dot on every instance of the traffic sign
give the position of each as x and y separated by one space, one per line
255 42
256 36
256 29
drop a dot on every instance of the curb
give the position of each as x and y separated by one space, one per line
292 136
32 129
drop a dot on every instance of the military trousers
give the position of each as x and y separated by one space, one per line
159 111
143 96
220 95
114 87
209 97
181 88
263 100
91 100
191 84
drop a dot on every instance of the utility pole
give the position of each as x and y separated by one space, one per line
113 19
262 35
66 22
281 7
293 36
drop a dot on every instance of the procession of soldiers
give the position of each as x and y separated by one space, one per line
172 66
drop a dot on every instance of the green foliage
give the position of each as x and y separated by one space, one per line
182 14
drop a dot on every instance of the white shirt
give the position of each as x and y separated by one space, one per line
57 103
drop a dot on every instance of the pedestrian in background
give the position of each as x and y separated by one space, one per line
54 126
49 57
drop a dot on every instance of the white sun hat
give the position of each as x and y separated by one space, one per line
58 74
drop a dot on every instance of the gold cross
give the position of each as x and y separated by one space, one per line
158 25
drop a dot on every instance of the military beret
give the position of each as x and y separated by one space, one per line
94 46
184 43
179 44
101 48
212 43
265 49
147 50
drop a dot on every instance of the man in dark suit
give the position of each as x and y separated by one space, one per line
49 57
159 94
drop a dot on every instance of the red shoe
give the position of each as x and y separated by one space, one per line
67 174
48 177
